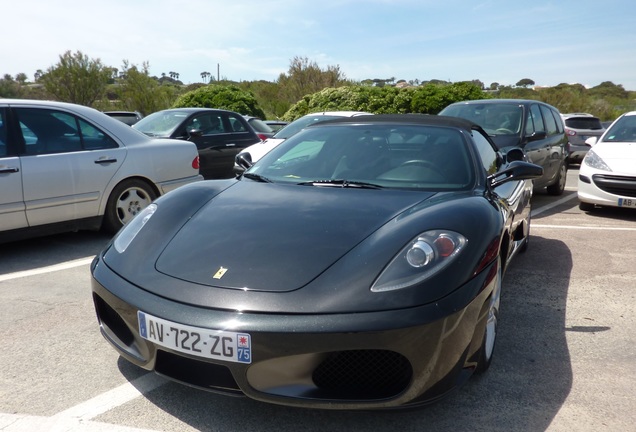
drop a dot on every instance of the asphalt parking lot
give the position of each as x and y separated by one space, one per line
564 359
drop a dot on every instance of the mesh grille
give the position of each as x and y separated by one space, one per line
364 374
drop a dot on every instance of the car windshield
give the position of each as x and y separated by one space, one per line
378 156
623 130
297 125
161 123
496 119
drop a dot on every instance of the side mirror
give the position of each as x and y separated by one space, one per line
536 136
517 170
591 141
244 160
195 132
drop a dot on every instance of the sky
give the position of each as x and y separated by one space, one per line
503 41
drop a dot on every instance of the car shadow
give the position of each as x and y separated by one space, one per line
526 386
50 250
616 213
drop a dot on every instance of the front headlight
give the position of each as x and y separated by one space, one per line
593 160
426 255
132 228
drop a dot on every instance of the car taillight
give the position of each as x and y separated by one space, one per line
195 163
262 137
570 132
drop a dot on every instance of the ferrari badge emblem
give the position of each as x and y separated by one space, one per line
219 273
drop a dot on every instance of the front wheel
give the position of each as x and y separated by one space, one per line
487 350
127 199
558 186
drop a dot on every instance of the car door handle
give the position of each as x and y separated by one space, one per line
230 145
9 170
105 161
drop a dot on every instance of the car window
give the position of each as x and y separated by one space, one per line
623 129
48 131
591 123
558 120
161 123
207 123
537 118
260 126
3 133
236 123
427 157
486 152
548 118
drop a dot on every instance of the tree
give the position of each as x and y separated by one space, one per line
137 91
77 79
229 97
205 76
306 77
525 82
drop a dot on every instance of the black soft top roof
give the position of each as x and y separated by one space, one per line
421 119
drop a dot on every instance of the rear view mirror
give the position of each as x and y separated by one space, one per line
591 141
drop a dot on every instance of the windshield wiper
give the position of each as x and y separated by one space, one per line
343 183
257 177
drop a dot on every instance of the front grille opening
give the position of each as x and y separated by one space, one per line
364 374
109 318
208 376
617 185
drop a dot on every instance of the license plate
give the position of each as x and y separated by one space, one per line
201 342
627 202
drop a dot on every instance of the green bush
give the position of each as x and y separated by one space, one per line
229 97
428 99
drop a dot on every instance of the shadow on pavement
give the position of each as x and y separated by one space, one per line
50 250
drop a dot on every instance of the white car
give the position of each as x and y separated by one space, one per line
607 176
65 167
258 150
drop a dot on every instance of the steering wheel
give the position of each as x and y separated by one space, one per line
504 130
425 164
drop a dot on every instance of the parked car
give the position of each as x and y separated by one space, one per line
128 117
358 265
578 128
256 151
260 127
218 134
607 176
534 126
65 167
276 125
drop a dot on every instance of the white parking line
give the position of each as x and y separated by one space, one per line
78 418
57 267
540 210
573 227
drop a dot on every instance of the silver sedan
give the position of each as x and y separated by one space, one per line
66 167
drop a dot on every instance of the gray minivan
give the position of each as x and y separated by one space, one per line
534 126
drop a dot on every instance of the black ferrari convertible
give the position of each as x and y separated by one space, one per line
358 265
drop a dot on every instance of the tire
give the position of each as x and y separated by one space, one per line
586 206
524 246
558 186
487 349
126 200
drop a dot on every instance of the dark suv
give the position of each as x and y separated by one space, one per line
578 128
534 126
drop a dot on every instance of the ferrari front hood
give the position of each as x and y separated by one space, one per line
276 238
